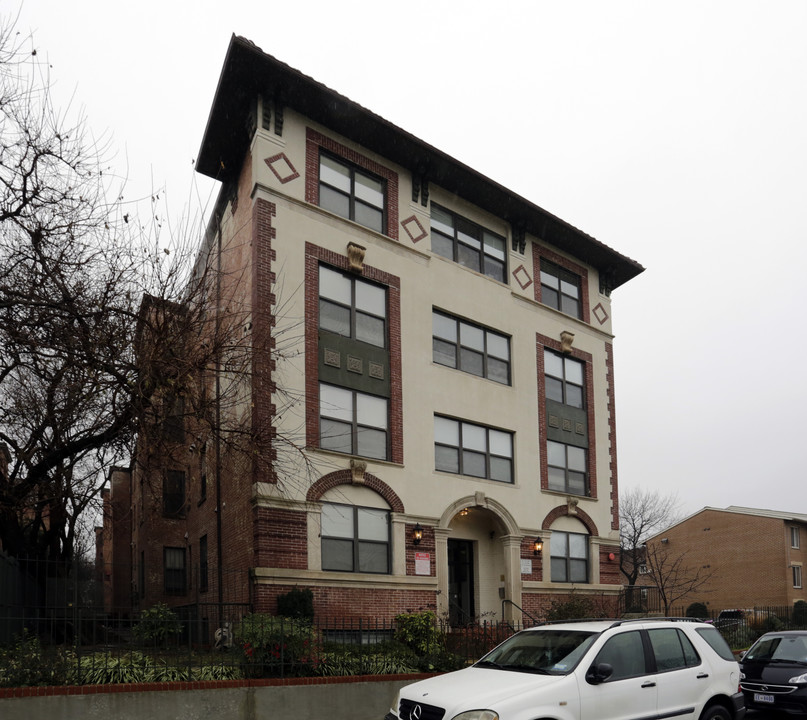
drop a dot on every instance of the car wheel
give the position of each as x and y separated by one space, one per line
715 712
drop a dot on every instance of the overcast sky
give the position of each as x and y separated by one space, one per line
674 132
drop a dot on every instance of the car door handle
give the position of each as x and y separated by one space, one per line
701 676
649 683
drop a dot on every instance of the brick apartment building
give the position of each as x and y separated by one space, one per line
454 369
754 557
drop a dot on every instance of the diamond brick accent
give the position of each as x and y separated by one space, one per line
522 277
282 168
414 229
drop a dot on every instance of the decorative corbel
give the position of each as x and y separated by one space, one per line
519 237
571 505
566 340
355 256
357 470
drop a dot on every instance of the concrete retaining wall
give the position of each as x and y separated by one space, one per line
366 698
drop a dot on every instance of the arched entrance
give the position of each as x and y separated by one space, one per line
477 545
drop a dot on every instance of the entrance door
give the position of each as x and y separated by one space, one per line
460 582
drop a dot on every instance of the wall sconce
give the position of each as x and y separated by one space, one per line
537 546
417 534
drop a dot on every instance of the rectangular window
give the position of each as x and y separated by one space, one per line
175 578
475 450
352 307
567 467
468 244
352 422
795 537
797 576
352 193
174 422
174 493
569 557
470 348
203 563
560 289
564 379
203 473
355 539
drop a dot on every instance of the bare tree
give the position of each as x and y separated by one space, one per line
106 331
642 513
671 574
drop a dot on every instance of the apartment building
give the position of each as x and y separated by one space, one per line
750 557
446 370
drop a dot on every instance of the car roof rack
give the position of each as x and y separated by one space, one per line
616 622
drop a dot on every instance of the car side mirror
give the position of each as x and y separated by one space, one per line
599 673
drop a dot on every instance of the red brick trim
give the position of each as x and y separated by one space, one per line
313 256
539 253
315 140
263 344
609 369
345 477
55 690
542 342
563 511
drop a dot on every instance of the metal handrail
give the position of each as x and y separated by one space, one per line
523 611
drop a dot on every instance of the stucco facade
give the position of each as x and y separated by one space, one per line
467 454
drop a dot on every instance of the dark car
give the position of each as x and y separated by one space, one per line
773 673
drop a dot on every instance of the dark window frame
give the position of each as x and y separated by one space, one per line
352 308
459 347
795 537
797 577
554 296
567 557
355 425
567 485
352 199
175 579
565 383
462 449
461 225
357 540
174 488
203 564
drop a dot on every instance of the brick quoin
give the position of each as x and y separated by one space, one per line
543 342
609 371
263 300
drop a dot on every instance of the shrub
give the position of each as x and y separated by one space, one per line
27 663
157 624
274 646
135 667
572 608
697 610
357 660
419 632
296 604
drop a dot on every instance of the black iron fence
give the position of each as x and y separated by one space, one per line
57 627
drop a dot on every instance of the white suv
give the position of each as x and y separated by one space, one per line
589 670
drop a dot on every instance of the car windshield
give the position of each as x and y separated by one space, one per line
779 648
545 652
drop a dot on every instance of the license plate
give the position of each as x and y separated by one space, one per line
759 697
